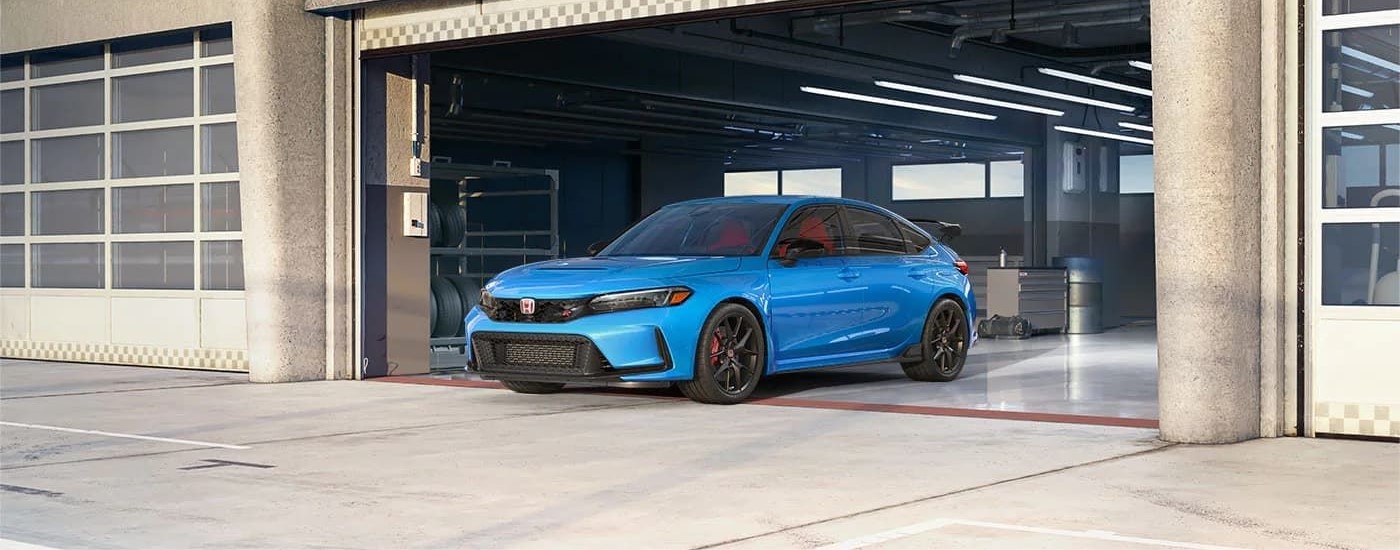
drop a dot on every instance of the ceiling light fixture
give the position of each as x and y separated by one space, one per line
1358 54
1043 93
1141 65
1395 127
968 98
1096 133
1096 81
1135 126
1350 135
897 103
1353 90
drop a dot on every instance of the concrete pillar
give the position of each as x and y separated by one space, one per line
1206 107
280 65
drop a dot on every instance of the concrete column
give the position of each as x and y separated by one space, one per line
279 57
1206 107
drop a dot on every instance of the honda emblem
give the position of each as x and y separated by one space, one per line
527 306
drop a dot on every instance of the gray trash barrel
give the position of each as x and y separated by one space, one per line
1085 309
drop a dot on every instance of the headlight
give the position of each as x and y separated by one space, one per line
486 302
659 297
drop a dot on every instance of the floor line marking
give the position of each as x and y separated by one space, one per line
125 436
918 528
7 544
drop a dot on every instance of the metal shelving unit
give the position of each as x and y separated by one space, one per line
485 251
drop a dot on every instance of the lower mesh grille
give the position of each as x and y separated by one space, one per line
524 353
542 354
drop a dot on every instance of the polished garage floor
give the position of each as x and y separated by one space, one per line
1091 378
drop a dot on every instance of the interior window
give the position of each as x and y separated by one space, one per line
821 224
875 233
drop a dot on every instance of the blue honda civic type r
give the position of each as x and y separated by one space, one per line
712 295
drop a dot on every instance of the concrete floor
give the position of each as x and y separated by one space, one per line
228 464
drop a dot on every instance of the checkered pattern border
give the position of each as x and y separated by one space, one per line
1357 419
119 354
532 19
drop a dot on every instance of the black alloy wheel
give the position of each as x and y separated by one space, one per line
945 342
730 357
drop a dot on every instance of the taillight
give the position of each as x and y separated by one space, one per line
961 265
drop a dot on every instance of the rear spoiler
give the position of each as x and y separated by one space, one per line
943 231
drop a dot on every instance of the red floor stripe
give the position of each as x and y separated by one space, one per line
838 405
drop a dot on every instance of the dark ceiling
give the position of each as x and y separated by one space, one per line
1093 36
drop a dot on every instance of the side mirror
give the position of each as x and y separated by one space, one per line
595 248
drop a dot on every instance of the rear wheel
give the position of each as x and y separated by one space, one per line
945 342
521 386
730 358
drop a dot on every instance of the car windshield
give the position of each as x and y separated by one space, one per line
704 229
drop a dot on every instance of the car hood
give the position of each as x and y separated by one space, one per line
574 277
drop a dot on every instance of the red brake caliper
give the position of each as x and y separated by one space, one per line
714 349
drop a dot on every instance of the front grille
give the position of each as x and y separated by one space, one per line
546 311
553 354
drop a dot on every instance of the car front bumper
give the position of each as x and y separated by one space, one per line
629 346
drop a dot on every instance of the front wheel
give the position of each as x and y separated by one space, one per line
945 341
730 358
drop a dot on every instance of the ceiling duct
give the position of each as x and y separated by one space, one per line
994 20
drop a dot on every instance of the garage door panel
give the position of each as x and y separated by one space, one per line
393 27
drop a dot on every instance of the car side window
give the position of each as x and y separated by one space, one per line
874 234
821 224
915 240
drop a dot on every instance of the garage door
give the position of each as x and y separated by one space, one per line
391 28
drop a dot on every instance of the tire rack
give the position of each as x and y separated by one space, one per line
449 353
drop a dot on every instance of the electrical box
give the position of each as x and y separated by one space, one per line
415 214
1072 179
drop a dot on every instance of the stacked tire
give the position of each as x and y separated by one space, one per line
452 297
446 224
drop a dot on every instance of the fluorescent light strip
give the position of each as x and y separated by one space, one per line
1358 54
1096 133
897 103
1350 135
1141 65
1043 93
1135 126
1395 127
1353 90
1095 81
969 98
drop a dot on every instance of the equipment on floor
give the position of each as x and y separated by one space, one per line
1014 327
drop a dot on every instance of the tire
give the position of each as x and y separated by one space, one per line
454 224
729 359
945 339
521 386
434 225
467 289
449 308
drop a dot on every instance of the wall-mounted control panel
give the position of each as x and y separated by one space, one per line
415 214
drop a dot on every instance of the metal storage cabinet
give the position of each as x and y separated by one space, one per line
1037 294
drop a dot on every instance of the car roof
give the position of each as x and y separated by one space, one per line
775 199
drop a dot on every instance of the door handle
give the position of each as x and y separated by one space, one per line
920 273
848 274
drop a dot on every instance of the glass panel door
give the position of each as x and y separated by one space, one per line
1352 219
